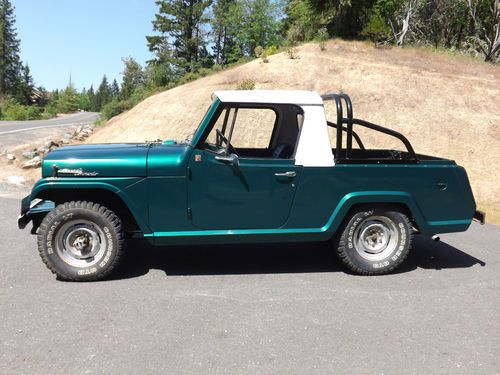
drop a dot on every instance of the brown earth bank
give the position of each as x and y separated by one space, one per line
446 105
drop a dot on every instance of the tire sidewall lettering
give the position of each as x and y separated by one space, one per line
109 241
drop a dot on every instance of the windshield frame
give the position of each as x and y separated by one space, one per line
203 123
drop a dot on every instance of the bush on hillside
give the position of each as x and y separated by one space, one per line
246 84
115 107
322 38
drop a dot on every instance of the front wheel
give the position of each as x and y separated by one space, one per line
81 241
374 241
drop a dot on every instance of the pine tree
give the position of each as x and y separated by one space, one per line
223 39
133 77
10 63
91 99
26 87
115 89
179 24
103 95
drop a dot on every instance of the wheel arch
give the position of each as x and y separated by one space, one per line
111 198
401 201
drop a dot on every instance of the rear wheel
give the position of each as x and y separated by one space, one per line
81 241
374 241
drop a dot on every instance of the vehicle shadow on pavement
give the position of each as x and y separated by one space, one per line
271 258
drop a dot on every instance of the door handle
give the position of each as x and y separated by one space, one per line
286 174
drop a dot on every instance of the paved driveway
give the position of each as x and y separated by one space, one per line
267 309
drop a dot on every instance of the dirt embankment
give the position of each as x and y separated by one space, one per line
446 105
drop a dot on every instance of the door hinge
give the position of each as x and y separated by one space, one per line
189 172
190 213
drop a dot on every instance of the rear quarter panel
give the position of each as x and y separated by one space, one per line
325 195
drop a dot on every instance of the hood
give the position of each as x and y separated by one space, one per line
98 160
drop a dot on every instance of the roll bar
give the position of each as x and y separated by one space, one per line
349 121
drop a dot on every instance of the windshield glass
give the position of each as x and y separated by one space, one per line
205 118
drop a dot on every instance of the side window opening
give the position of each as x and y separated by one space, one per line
256 132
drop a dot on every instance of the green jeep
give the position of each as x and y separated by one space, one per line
259 168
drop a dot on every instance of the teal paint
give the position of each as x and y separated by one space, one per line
161 182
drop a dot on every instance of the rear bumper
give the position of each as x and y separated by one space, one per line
480 217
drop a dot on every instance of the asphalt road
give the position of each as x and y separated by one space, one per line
15 133
10 127
280 309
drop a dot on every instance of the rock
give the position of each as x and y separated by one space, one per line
79 129
30 154
51 145
33 163
43 150
67 136
11 157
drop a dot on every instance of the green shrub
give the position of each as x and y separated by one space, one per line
322 38
246 84
189 77
272 50
32 112
203 72
11 110
115 107
217 68
376 29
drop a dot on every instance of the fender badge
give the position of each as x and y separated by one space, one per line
198 158
77 172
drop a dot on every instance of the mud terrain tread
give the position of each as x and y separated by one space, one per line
343 256
90 206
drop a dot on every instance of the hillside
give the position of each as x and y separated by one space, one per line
446 105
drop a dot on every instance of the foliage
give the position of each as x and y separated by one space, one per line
10 62
12 110
376 29
261 53
322 38
246 84
114 108
68 101
180 39
133 78
272 50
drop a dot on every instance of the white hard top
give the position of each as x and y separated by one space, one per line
299 97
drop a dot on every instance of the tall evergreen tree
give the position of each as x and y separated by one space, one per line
179 23
10 63
133 77
26 87
91 99
115 89
223 38
103 95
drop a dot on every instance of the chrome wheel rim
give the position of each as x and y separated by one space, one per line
376 238
80 243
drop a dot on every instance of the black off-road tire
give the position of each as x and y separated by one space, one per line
365 223
79 221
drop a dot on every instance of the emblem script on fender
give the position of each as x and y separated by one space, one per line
197 158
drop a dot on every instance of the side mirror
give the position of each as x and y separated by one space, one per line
231 159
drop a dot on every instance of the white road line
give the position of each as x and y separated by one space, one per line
46 126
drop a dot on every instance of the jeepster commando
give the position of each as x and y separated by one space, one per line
261 167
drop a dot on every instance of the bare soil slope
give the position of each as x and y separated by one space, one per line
446 105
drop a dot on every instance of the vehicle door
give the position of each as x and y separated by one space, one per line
242 173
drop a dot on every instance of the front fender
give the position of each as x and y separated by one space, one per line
117 185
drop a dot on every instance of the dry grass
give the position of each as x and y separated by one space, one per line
446 105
